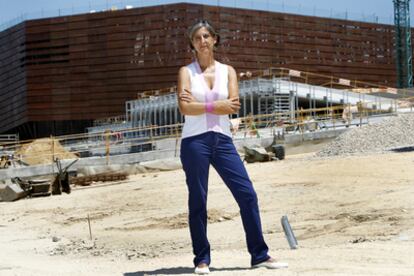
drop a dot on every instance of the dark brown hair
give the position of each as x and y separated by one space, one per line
201 24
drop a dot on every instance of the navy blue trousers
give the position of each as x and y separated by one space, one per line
197 153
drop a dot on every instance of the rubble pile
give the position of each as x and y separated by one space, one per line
394 132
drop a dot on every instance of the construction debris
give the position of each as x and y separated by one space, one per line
34 187
5 161
394 132
257 154
166 164
61 182
103 177
12 192
261 154
17 187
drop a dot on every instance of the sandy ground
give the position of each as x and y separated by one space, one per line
351 215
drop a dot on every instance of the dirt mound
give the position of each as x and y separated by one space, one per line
41 151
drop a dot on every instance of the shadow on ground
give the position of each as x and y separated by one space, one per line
180 270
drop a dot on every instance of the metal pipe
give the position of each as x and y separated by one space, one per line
293 243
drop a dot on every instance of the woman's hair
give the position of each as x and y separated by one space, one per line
201 24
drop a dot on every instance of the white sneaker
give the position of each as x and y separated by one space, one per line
271 264
202 270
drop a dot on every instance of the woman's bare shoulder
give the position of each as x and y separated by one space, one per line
183 70
231 70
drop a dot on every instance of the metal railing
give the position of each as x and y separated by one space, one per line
8 138
141 139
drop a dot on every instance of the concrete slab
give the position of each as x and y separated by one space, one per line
12 192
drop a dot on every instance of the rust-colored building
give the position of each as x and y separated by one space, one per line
59 74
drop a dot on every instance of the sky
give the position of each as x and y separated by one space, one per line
14 11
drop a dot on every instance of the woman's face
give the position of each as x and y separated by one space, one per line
203 41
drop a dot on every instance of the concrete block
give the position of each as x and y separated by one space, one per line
166 164
12 192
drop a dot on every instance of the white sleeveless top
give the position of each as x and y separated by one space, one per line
198 124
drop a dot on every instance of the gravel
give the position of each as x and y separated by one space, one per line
391 133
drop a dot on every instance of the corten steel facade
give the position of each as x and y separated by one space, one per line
57 75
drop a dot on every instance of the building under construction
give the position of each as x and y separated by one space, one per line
273 98
58 75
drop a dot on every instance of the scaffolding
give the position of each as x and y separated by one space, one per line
403 43
279 97
258 96
153 111
266 96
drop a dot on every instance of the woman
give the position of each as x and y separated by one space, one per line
208 93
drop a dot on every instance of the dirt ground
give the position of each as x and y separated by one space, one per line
351 216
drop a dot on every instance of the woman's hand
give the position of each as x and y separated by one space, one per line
228 106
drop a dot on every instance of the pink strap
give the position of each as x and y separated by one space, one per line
209 106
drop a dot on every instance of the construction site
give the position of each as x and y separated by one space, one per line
90 174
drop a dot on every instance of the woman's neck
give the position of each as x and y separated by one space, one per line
205 61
